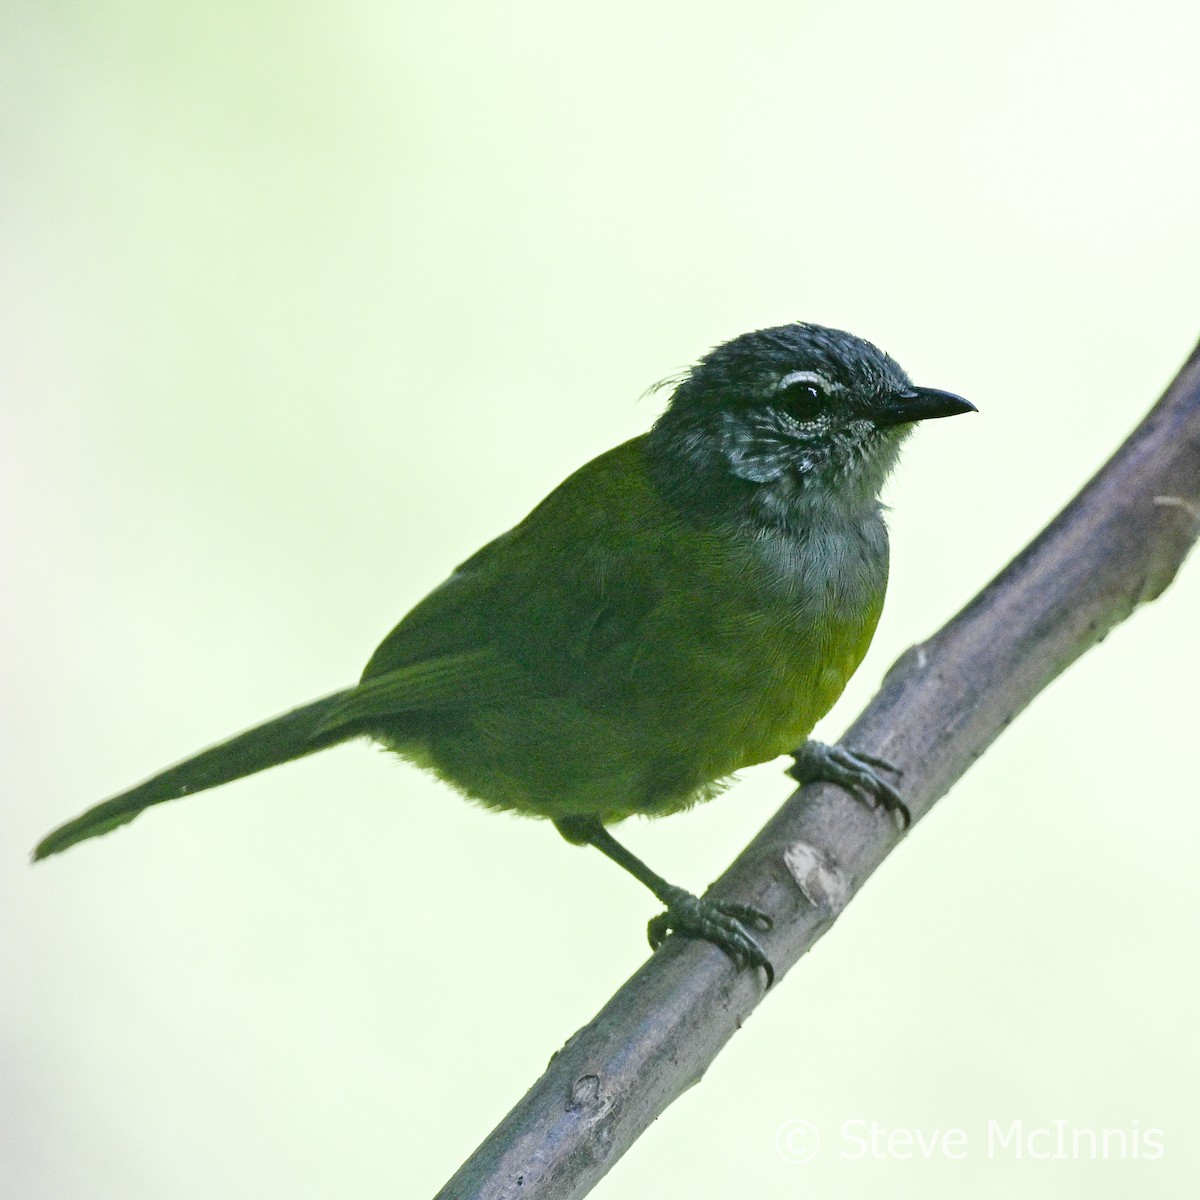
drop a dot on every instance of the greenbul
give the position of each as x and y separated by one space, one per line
685 605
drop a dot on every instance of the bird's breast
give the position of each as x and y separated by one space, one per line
789 643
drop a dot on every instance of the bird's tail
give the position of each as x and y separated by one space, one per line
293 735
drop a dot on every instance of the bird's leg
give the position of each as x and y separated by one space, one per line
853 770
722 922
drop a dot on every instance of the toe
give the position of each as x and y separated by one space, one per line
876 761
719 922
887 797
746 912
855 770
657 930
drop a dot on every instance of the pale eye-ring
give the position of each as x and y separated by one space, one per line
804 391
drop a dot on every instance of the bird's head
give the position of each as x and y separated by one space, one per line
794 409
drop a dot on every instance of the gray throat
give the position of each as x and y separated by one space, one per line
763 472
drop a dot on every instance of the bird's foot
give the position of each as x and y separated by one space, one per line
854 770
722 922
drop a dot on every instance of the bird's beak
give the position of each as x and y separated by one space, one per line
921 404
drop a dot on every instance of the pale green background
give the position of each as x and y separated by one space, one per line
303 303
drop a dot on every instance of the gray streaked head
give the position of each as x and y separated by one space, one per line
756 366
795 408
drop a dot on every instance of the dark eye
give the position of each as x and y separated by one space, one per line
803 392
800 392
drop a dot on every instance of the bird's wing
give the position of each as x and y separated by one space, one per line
428 685
541 606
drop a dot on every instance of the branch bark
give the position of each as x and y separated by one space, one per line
1118 544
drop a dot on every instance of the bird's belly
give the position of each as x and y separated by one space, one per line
725 675
760 694
782 652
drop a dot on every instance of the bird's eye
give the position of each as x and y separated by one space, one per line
804 392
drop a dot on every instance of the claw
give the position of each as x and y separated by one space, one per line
854 770
748 913
716 921
875 760
657 930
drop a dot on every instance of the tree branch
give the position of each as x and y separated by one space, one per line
1118 544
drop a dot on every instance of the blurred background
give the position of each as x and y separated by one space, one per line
301 304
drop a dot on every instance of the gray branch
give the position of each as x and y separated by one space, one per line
1118 544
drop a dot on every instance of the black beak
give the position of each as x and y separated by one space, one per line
921 404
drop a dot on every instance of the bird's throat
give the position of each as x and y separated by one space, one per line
757 471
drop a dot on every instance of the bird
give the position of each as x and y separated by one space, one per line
683 606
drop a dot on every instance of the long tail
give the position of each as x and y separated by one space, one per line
293 735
